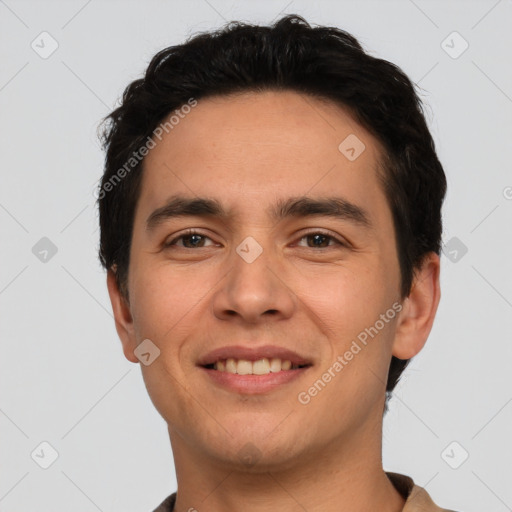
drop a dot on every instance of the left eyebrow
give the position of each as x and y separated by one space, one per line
338 207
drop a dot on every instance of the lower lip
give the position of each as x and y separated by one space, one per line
254 384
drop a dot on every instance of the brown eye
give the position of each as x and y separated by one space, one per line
189 240
320 240
193 241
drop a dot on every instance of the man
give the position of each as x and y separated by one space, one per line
270 222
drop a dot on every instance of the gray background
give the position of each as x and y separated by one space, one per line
63 377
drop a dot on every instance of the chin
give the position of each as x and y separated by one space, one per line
256 451
249 458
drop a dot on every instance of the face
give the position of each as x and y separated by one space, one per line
284 264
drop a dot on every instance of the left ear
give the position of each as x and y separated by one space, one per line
419 309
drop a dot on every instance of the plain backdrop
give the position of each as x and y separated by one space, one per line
63 378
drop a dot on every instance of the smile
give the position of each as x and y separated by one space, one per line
262 366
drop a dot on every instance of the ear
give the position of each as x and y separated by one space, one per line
419 309
122 317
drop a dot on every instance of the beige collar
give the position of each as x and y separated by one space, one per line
417 499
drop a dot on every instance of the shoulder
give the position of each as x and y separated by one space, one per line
417 498
167 505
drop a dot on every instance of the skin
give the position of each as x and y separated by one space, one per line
248 151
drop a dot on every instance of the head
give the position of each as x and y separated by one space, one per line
276 128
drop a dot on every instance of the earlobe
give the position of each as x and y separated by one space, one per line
122 316
419 310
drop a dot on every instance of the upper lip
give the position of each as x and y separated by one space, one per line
252 354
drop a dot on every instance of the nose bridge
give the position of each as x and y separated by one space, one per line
252 288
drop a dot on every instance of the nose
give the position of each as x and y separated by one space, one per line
254 291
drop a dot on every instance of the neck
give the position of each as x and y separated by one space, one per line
343 476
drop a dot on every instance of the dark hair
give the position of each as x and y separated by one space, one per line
324 62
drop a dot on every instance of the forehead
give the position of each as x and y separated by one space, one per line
263 146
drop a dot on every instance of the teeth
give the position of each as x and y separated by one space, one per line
275 365
261 367
230 366
286 365
244 367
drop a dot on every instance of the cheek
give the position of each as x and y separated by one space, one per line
165 310
346 305
351 378
164 299
345 298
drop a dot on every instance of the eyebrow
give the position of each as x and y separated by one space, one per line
337 207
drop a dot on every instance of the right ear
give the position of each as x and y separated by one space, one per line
122 317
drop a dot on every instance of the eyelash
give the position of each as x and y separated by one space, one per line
328 235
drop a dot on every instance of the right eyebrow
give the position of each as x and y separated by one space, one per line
179 206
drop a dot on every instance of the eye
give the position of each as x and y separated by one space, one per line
189 240
321 240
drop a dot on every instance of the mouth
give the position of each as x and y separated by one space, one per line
252 371
262 366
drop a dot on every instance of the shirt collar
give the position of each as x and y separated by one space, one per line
417 499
